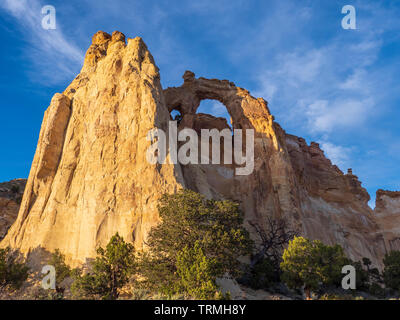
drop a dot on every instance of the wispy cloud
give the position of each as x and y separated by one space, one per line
322 90
53 57
324 117
339 155
218 109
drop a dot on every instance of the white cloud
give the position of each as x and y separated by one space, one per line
339 155
218 109
323 88
324 117
266 89
52 55
356 81
299 68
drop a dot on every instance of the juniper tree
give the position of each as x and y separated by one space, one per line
188 218
391 272
110 271
309 264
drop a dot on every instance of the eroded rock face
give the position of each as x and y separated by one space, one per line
291 180
90 177
334 206
10 198
388 215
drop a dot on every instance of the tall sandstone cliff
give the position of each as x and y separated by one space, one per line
90 177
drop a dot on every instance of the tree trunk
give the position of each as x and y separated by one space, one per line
307 292
114 292
258 257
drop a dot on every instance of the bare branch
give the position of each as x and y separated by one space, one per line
271 242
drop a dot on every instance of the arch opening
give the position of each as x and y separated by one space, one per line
215 109
176 115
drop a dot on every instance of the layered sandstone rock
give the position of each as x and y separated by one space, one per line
90 177
334 206
10 198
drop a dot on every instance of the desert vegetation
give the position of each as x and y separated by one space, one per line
199 241
109 273
13 269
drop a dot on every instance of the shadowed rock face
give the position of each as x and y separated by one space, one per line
90 177
10 198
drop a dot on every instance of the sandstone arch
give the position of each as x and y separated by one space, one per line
257 196
242 107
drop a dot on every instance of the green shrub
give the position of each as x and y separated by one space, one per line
377 291
110 271
362 277
311 263
197 273
368 279
15 189
262 275
330 261
63 271
13 269
391 272
47 294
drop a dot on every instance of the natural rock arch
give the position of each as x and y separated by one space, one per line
241 106
246 112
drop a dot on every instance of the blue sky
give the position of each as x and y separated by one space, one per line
334 86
